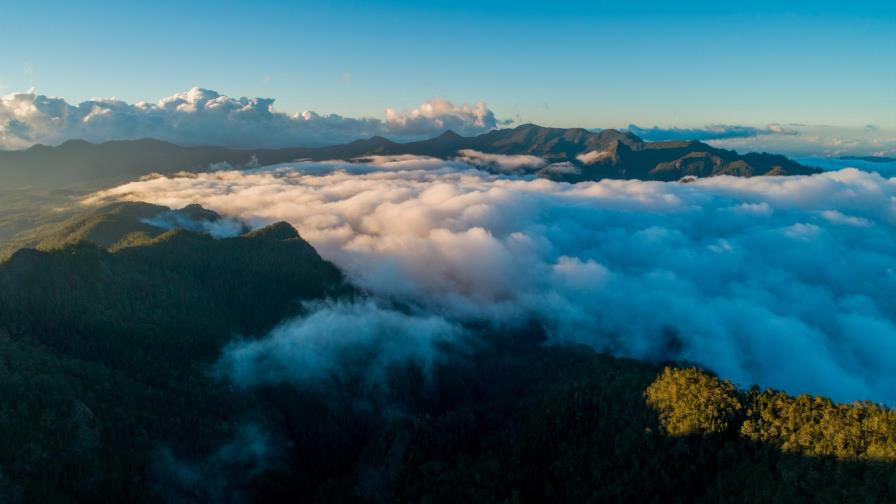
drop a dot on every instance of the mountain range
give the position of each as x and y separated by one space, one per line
593 155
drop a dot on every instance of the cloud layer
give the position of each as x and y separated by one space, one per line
808 140
205 117
790 139
784 281
710 132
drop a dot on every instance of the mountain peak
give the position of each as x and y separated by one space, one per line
449 135
278 231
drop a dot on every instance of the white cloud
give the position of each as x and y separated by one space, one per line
340 341
885 166
438 115
784 281
562 168
205 117
501 162
592 157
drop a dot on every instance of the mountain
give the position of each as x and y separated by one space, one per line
120 224
604 154
109 393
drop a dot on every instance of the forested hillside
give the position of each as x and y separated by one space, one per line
108 394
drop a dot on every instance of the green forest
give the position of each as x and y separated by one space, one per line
110 328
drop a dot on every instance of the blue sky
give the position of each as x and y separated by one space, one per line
592 64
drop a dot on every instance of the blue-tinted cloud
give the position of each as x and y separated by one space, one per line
882 165
790 139
711 132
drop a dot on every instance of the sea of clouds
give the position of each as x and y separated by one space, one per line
788 282
800 140
206 117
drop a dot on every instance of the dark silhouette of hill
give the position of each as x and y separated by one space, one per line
615 154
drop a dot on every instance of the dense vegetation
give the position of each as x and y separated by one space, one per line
690 401
106 395
103 354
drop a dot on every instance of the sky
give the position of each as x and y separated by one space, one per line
591 64
568 64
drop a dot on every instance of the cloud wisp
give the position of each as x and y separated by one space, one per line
205 117
787 282
343 341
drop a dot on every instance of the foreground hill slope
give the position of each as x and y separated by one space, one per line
107 393
605 154
118 225
104 353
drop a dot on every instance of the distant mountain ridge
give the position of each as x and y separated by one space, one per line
594 156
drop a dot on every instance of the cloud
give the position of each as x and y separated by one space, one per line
216 228
886 167
501 162
592 157
341 341
710 132
561 168
790 139
224 475
205 117
787 282
438 115
817 141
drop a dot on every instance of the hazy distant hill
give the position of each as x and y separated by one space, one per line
870 159
613 154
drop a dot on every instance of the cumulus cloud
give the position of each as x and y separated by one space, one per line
205 117
783 281
438 115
